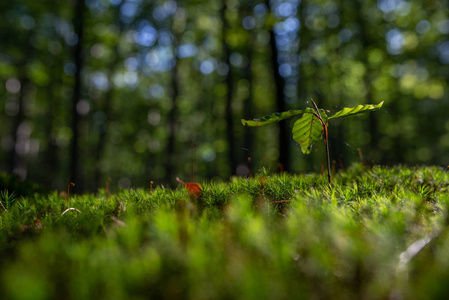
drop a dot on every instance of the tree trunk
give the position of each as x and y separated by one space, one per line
173 112
284 137
229 115
304 94
248 136
367 42
51 161
106 105
78 60
14 156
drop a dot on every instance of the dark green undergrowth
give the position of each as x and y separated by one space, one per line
379 233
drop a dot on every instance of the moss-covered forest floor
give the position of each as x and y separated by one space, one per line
377 233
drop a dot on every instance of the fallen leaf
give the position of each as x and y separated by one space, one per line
193 188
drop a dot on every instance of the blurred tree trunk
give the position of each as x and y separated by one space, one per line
284 136
177 29
367 42
229 116
78 23
338 148
248 136
50 164
106 105
303 93
172 115
51 161
15 159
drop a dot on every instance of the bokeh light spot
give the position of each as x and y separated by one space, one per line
13 85
436 91
206 67
27 22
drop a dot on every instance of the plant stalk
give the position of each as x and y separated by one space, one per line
326 140
68 193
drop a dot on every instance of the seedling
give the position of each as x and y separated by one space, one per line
108 192
68 193
192 172
312 126
281 168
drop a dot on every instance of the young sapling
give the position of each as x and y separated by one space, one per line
68 193
67 201
312 126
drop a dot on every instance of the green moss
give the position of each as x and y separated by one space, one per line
339 242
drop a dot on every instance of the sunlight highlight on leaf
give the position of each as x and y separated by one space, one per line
349 111
271 118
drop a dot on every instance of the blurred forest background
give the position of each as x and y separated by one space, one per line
140 90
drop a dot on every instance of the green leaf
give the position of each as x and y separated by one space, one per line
349 111
308 130
271 118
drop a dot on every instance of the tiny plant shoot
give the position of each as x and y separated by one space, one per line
312 126
68 193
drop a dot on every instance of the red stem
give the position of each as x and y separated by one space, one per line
326 141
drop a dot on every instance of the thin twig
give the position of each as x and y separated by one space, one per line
413 250
281 201
192 171
69 209
3 206
406 256
108 193
361 157
118 222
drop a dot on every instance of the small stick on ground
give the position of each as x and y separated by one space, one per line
118 222
108 192
180 181
340 162
281 201
3 206
281 168
361 157
192 171
322 168
69 209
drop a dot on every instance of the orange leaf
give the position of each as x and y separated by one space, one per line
193 188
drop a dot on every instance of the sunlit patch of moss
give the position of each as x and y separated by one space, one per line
235 241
